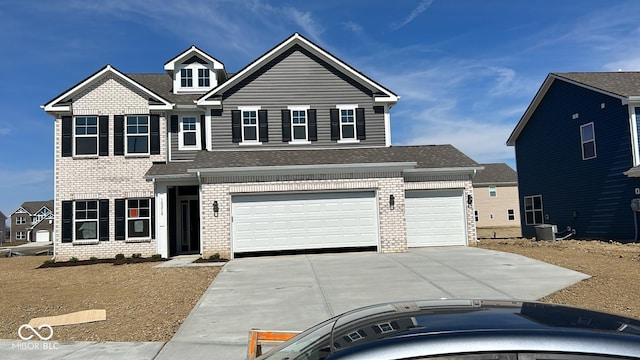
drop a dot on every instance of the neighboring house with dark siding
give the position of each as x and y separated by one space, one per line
577 155
495 191
33 221
291 152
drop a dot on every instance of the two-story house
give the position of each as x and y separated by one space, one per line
497 211
33 221
291 152
578 157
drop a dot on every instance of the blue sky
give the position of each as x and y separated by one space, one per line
465 69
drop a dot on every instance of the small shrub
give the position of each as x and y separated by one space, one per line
119 256
156 256
215 256
50 261
93 258
136 256
73 260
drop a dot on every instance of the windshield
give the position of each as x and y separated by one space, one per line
311 344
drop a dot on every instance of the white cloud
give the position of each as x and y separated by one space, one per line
423 6
4 131
304 19
353 27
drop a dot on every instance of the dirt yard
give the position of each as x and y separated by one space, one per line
614 285
144 303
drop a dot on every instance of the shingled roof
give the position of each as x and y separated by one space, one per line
496 174
622 83
425 157
34 206
162 84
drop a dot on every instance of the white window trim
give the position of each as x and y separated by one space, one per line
22 221
181 145
96 136
493 189
257 140
127 218
97 221
583 142
21 235
476 215
126 136
633 127
304 108
533 210
509 212
353 107
194 88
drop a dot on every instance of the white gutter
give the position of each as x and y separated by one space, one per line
305 169
444 171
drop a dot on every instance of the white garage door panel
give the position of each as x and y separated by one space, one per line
42 236
435 218
304 221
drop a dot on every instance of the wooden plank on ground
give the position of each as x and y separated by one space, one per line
79 317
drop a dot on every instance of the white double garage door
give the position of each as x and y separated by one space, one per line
341 219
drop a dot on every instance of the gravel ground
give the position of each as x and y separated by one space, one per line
614 285
144 303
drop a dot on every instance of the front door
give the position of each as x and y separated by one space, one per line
189 226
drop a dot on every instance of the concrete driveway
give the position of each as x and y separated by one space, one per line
295 292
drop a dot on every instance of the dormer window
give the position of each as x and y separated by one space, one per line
203 78
186 78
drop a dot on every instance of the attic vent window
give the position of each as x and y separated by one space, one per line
602 106
575 116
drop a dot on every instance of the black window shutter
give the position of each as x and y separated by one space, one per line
286 125
334 114
118 135
263 125
154 132
236 127
67 221
120 219
203 134
313 125
67 136
153 218
174 124
103 211
360 128
103 137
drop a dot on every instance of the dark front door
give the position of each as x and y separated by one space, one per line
189 228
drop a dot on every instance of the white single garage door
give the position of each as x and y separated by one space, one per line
435 218
42 236
304 221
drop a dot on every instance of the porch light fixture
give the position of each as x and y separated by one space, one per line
216 208
392 202
469 200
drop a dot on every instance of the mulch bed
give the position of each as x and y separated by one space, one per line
99 261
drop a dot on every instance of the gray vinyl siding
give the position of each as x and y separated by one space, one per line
176 154
297 77
180 154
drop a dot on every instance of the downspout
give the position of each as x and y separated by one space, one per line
200 210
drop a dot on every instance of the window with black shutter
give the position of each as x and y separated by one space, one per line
118 135
120 219
154 126
67 221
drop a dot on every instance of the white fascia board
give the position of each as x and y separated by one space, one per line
161 107
209 102
444 171
50 107
169 177
170 66
300 40
304 169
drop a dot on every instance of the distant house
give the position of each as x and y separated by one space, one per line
495 191
33 221
3 227
577 150
292 152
